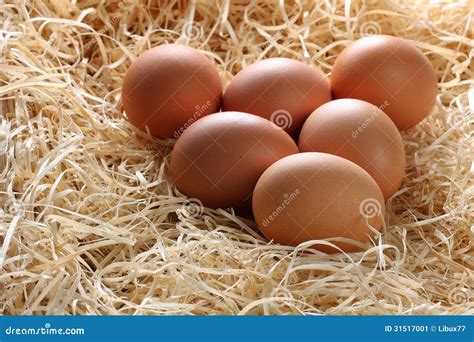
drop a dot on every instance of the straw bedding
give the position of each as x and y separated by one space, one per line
90 223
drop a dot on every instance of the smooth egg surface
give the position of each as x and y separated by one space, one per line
316 196
219 158
362 133
283 90
169 87
385 69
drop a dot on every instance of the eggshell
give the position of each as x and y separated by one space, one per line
219 158
380 69
312 196
168 88
361 132
283 90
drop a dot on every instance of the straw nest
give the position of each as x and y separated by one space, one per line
90 223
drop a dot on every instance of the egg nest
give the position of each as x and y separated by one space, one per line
91 224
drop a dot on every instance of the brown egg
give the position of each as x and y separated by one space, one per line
313 196
283 90
219 158
168 88
364 134
384 69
